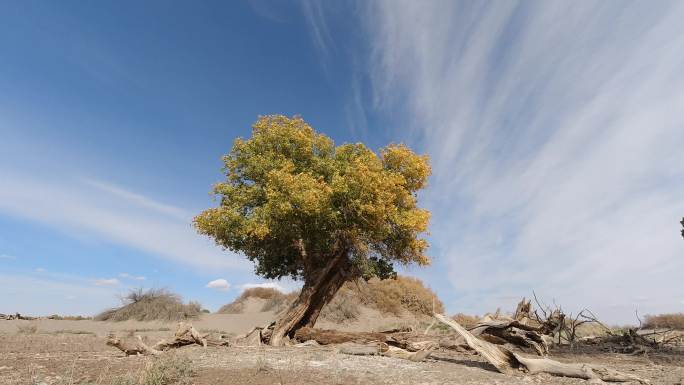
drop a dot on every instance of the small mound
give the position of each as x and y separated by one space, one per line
154 304
259 299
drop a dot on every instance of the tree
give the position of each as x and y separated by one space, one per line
297 205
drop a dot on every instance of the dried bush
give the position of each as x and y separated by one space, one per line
671 321
466 320
153 304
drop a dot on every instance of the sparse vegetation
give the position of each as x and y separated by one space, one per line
153 304
671 321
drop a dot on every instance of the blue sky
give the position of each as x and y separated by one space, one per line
555 130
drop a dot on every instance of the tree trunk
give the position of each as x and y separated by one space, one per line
317 291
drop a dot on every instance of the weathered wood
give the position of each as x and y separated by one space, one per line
501 358
508 362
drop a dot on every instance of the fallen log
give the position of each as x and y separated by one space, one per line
382 349
402 340
505 361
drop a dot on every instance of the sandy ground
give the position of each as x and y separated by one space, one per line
74 352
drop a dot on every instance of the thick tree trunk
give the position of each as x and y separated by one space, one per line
317 291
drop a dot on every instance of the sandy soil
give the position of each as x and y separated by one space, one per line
56 355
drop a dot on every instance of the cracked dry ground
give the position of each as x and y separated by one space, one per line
85 359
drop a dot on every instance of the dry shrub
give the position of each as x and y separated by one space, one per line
466 320
403 293
154 304
671 321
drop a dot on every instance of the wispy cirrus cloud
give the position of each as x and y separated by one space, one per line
555 132
86 207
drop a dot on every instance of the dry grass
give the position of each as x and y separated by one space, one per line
167 369
672 321
154 304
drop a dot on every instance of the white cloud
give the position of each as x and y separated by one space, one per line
106 282
98 210
219 284
6 256
41 270
555 132
134 277
270 285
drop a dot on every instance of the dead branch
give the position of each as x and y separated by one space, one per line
506 361
185 335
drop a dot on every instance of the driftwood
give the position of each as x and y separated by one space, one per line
505 361
185 334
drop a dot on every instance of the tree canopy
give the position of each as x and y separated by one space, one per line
291 197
